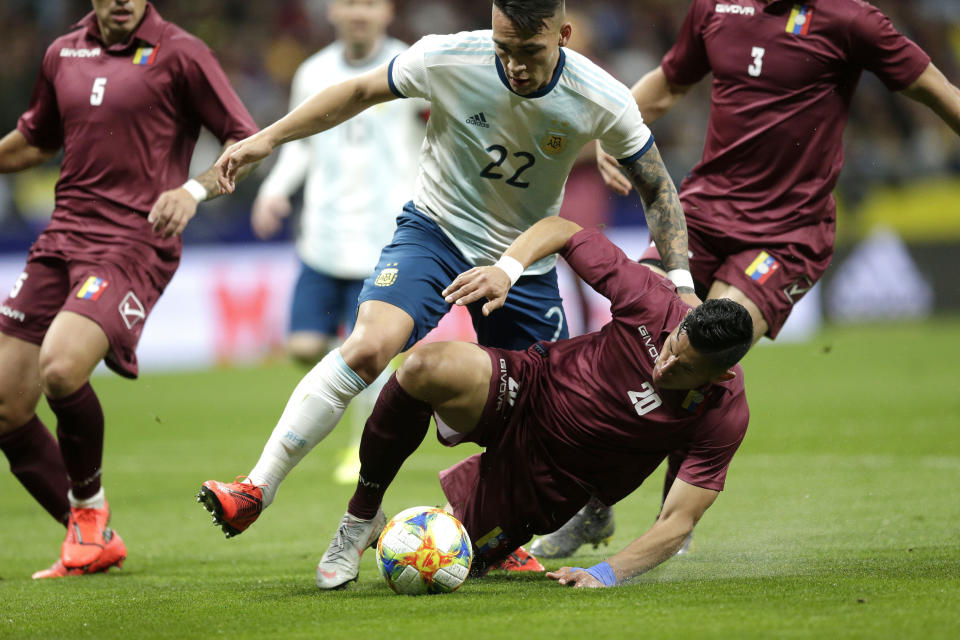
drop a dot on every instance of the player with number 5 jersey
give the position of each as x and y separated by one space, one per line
510 109
124 94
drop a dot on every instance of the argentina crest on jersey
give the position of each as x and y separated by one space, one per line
387 276
554 141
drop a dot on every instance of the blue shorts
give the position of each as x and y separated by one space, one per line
321 303
421 262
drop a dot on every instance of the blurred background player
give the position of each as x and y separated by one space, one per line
593 415
355 179
509 112
759 204
124 94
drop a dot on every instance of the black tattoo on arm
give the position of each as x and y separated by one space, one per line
668 227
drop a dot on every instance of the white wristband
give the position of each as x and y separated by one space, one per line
512 267
680 277
195 189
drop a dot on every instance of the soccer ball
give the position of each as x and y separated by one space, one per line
424 550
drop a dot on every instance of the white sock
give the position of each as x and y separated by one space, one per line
312 412
96 501
363 405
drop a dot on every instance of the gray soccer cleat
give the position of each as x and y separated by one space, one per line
341 563
593 524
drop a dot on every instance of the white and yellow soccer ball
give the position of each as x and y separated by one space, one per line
424 550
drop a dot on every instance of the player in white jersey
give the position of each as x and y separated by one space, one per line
344 223
510 109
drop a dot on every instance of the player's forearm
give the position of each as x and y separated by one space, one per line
665 219
655 95
208 179
934 90
659 543
544 238
16 154
325 110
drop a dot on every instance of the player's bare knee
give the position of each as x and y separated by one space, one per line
418 370
15 412
367 358
60 376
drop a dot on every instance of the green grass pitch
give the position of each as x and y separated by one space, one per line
841 519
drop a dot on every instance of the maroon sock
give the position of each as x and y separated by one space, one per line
35 460
395 429
80 431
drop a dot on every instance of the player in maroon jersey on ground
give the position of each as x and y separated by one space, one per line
124 94
759 205
589 416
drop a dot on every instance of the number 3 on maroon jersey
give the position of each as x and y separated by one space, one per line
96 96
757 66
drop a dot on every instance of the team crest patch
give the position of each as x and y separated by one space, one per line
491 541
92 288
799 21
131 310
693 402
762 268
387 276
554 141
145 55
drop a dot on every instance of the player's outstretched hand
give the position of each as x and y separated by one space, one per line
268 214
612 175
491 283
247 151
172 211
570 577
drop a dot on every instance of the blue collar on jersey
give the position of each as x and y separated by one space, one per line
539 93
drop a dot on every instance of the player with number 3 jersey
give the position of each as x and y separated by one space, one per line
124 94
760 204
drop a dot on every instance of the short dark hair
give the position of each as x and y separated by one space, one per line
721 330
529 16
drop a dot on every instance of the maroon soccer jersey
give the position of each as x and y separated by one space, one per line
606 425
783 77
127 117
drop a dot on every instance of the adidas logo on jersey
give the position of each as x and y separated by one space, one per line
734 8
479 120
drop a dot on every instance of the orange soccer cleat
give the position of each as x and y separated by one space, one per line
87 536
113 554
234 505
519 560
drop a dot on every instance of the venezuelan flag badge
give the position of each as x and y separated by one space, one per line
145 55
693 402
92 288
762 267
799 21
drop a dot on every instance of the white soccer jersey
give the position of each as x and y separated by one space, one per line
358 175
495 162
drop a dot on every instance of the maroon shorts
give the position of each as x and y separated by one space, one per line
774 277
508 493
118 298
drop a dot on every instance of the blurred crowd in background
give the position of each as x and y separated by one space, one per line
890 140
